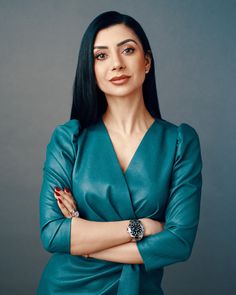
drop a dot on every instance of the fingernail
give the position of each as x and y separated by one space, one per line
57 194
57 188
67 190
60 201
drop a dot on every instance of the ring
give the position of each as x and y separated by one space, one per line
74 213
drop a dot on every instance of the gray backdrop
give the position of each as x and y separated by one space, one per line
193 43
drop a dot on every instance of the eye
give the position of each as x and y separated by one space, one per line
129 50
99 56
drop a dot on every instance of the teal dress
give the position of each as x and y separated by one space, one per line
163 181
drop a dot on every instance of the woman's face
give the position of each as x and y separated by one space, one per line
118 51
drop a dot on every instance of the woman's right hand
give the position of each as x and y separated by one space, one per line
152 226
66 202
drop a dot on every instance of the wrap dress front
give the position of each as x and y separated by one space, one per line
163 181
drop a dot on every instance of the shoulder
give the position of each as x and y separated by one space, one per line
65 136
187 134
182 132
70 127
68 130
185 140
188 143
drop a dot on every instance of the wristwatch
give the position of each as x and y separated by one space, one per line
135 229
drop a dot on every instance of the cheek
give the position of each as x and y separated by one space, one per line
99 73
138 65
100 77
139 73
96 72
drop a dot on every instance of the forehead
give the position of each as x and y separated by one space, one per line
115 34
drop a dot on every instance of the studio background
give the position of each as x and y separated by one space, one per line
194 46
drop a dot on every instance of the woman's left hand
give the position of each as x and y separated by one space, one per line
66 202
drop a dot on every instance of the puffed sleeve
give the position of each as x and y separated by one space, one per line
175 242
57 171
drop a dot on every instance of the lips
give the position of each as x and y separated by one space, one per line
116 78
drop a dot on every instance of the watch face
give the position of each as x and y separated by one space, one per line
136 229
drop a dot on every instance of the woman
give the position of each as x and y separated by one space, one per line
120 197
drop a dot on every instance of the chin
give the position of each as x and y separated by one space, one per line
122 90
120 93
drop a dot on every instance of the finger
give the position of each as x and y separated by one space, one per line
69 195
69 199
70 207
63 209
66 195
67 191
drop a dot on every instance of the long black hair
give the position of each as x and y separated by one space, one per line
89 102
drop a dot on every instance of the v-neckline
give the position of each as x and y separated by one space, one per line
136 151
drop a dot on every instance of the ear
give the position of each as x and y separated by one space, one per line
148 59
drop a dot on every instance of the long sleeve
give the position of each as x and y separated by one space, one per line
57 171
175 242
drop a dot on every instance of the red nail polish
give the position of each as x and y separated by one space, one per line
60 201
57 194
57 188
67 190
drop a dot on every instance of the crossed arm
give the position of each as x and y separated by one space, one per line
102 240
109 240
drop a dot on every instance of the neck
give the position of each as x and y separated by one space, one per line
127 114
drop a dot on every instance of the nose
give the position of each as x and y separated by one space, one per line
117 62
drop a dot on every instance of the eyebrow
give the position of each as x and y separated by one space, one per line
118 44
